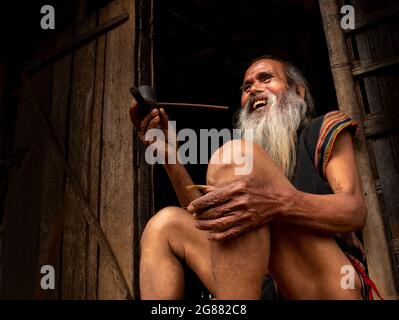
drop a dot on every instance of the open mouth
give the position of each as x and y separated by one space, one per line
258 104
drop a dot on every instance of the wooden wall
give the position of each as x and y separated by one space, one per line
374 50
59 195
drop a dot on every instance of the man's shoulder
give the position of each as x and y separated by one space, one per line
326 122
332 125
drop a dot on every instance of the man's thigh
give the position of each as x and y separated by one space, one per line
190 244
225 268
309 265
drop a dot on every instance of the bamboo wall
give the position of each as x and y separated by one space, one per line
364 67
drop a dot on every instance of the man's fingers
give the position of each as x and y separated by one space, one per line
211 199
154 123
227 208
230 233
226 235
146 121
164 118
218 225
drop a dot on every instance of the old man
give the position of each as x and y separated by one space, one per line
285 219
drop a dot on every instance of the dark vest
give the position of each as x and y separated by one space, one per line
306 176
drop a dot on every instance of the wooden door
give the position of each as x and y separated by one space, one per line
71 202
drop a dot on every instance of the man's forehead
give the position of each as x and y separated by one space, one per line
269 65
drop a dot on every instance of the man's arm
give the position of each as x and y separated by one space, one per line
341 212
180 178
177 173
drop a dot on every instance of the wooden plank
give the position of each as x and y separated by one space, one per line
375 66
395 243
389 179
388 85
367 7
116 211
377 16
377 124
78 155
6 123
95 164
54 176
144 191
371 93
78 42
23 208
2 229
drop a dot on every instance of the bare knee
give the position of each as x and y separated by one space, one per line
235 159
162 224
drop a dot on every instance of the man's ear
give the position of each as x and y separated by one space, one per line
300 90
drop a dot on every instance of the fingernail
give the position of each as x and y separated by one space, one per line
154 111
190 208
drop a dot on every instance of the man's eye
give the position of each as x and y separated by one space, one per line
246 87
265 77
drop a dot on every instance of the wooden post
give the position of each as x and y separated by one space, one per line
116 184
377 249
143 182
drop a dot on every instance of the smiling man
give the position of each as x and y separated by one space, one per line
290 218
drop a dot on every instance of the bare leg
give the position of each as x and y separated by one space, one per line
230 270
171 236
305 264
246 257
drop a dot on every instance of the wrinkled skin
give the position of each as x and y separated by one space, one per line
237 207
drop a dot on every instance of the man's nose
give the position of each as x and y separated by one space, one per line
257 87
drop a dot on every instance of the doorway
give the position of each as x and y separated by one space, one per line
201 50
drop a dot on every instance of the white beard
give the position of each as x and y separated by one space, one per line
275 128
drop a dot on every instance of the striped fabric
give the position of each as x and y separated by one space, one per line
368 286
333 123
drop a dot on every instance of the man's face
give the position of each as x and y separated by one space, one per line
262 77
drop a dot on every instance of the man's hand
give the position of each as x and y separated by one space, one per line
157 118
238 207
